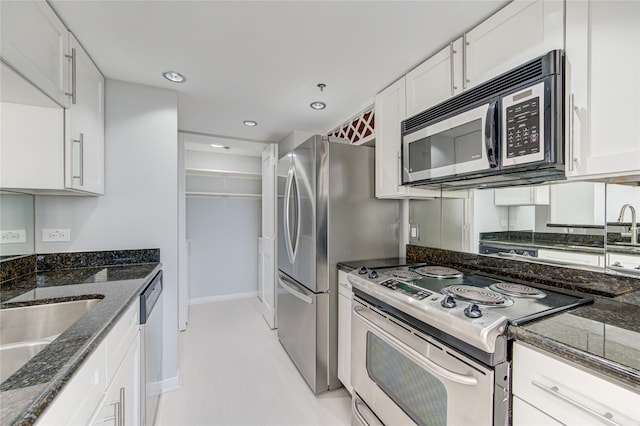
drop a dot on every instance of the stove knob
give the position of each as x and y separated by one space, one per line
472 311
373 274
362 270
448 302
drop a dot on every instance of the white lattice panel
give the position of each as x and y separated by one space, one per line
358 130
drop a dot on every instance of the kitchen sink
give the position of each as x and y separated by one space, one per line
27 330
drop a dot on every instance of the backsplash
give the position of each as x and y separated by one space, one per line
569 278
18 267
528 237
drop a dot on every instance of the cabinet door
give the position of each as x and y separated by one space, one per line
599 34
570 257
344 341
520 31
628 261
522 196
84 144
390 111
528 415
80 398
435 80
35 42
568 393
122 404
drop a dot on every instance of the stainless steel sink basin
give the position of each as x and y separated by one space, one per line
27 330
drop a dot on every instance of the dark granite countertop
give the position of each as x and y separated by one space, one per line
28 392
603 336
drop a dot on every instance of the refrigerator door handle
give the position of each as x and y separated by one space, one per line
291 242
294 289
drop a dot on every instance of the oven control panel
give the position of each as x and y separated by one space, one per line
406 289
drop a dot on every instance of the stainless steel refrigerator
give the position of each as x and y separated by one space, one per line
327 213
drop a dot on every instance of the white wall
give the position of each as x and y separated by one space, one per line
140 205
223 231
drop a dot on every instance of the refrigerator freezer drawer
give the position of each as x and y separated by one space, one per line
302 330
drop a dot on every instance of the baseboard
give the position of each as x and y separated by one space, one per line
167 385
223 297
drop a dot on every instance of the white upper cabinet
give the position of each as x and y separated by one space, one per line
390 111
64 153
522 196
520 31
84 139
603 89
35 42
436 79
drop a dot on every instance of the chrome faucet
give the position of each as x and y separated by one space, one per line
634 225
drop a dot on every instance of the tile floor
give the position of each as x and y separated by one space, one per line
235 372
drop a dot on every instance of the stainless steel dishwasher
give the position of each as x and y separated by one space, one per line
151 354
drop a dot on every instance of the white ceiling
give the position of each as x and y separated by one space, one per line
261 60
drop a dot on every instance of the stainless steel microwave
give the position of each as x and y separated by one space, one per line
507 131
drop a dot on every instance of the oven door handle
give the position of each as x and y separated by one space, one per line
412 354
356 406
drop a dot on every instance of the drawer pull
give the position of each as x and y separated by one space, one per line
605 418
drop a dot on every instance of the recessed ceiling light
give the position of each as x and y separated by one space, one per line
176 77
250 123
318 105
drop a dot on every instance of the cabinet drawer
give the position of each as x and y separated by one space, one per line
569 394
121 336
82 395
525 414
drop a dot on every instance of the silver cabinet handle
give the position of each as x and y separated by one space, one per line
412 354
451 64
81 175
465 80
73 58
605 418
291 288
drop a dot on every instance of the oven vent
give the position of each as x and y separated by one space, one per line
545 65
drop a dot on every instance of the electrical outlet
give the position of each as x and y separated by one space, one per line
54 235
13 236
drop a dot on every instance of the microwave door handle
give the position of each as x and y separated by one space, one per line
491 134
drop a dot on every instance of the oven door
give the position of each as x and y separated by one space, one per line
406 377
463 144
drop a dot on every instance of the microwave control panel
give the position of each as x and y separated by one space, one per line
523 126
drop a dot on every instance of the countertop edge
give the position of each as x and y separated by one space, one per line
47 396
593 363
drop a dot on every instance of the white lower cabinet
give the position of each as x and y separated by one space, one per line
571 257
344 330
545 388
106 387
79 400
525 414
624 260
122 403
